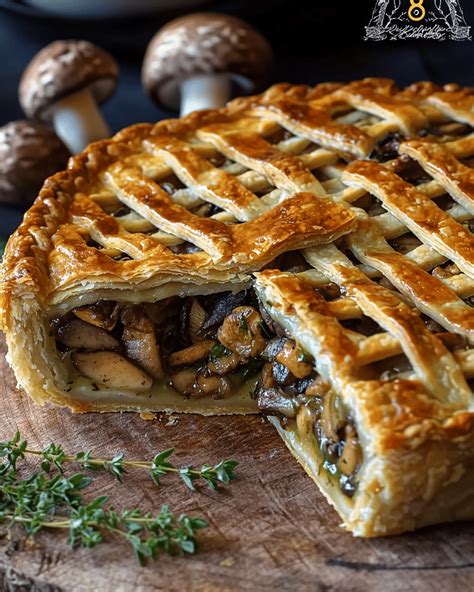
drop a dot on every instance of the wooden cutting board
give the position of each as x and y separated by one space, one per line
269 530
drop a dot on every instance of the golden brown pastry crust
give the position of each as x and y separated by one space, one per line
417 438
49 267
48 253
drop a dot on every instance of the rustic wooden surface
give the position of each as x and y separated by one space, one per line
270 530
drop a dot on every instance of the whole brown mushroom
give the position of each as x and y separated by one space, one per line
29 153
192 61
63 84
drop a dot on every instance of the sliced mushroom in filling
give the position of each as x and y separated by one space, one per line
287 383
207 347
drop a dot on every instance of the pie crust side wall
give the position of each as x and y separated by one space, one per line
405 489
417 449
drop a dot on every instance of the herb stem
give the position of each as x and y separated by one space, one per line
54 456
92 461
63 522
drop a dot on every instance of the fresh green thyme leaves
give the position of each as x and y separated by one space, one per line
48 499
43 502
53 457
10 452
223 472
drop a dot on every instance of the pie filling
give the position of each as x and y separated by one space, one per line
207 347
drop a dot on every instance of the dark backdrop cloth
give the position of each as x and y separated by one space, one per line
313 41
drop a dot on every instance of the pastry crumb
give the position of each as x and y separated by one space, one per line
172 420
227 562
147 415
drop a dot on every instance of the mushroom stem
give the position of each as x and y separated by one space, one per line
78 121
204 91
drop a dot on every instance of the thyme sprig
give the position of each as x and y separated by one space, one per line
42 501
54 457
48 499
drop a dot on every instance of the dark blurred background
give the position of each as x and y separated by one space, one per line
313 41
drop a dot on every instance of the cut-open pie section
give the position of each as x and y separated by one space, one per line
197 353
387 428
217 353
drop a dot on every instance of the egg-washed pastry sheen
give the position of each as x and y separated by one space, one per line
306 253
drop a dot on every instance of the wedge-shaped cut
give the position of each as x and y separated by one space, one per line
389 454
184 336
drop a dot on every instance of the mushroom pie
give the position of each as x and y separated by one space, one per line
306 253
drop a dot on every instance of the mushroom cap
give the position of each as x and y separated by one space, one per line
29 153
61 69
204 43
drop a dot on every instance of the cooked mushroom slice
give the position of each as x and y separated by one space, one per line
329 291
273 401
139 341
295 359
112 370
241 332
266 377
184 381
103 314
352 454
197 316
224 363
161 310
331 417
273 325
317 387
453 341
77 333
192 383
217 386
298 387
221 305
281 374
272 348
192 354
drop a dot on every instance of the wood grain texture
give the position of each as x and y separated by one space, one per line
270 530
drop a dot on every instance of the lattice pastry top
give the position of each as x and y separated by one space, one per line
227 189
358 201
